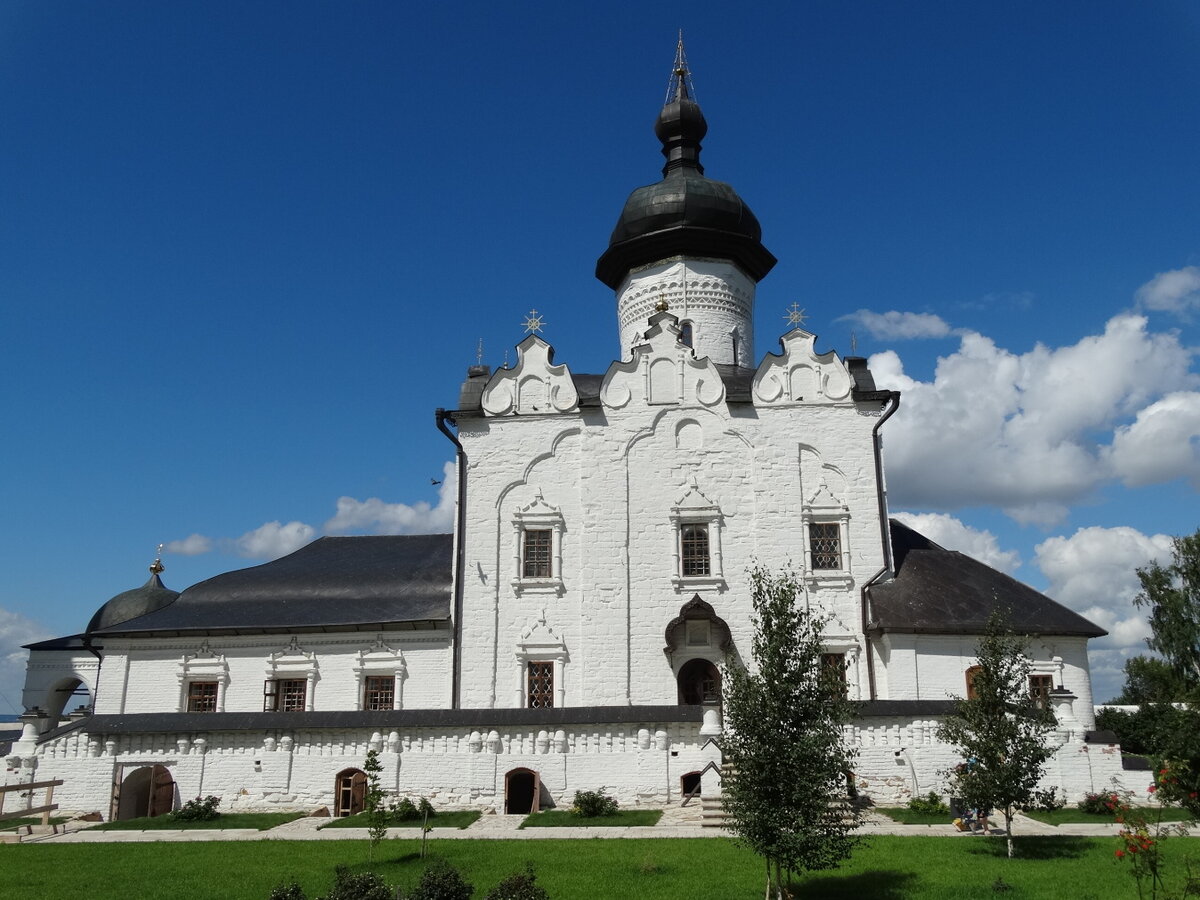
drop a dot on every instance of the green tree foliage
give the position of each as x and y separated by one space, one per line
784 739
1001 732
1170 734
373 801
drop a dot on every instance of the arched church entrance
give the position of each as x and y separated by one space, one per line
699 682
146 791
521 790
350 792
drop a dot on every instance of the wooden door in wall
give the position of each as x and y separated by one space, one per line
521 790
162 791
350 792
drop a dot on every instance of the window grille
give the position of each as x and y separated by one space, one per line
379 692
541 685
833 673
826 544
694 551
1039 689
202 696
284 695
537 553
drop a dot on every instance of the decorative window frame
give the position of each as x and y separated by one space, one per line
824 509
848 646
294 662
203 665
538 515
379 659
694 508
540 643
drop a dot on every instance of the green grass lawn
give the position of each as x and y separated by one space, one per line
258 821
906 816
452 819
563 818
1075 816
884 868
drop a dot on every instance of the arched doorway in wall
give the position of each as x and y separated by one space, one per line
67 695
145 791
349 792
699 682
521 790
689 783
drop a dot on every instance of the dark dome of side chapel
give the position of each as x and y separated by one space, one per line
151 596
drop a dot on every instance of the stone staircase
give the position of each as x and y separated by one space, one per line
713 807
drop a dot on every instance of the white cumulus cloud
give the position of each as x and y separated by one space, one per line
1161 444
375 516
1094 572
954 534
192 545
1023 432
1175 291
898 325
15 630
273 539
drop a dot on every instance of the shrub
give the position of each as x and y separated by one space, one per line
1048 801
930 803
591 804
198 810
521 886
1103 803
283 891
404 810
440 881
349 885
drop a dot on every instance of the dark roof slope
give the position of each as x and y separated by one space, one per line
334 583
940 591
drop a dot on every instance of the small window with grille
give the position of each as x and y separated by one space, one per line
537 548
833 673
693 546
202 696
541 685
284 695
379 692
1039 689
972 674
825 543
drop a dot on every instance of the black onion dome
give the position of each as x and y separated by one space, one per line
685 213
150 597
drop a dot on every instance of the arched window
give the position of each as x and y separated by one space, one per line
685 333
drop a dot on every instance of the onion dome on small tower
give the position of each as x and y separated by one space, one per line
687 241
151 596
685 214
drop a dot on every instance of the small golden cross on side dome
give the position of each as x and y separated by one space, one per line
661 305
533 322
795 315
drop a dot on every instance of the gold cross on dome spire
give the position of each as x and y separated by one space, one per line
795 315
533 322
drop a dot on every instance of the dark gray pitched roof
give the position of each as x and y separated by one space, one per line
940 591
70 642
334 583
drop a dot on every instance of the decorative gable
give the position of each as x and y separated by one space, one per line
663 371
800 374
534 386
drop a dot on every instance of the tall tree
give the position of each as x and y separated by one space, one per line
784 739
1001 732
1172 594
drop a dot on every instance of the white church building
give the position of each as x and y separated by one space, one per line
570 633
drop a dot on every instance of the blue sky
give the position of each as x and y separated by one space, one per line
247 249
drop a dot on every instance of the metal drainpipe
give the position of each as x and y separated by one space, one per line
461 471
884 536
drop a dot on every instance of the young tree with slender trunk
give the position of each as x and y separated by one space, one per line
1001 732
784 739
